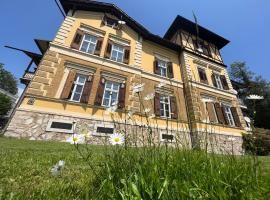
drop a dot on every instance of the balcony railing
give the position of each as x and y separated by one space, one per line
27 77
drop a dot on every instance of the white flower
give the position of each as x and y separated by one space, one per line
149 96
117 139
138 88
131 113
147 110
76 139
56 169
111 109
255 97
152 116
161 84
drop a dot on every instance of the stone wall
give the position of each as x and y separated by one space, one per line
32 125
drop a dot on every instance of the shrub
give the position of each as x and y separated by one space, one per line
5 104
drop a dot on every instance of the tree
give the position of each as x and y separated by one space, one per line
7 81
5 105
253 84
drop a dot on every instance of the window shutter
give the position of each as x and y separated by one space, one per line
156 67
224 82
211 112
86 90
174 107
126 55
98 46
100 91
122 96
108 50
235 117
214 80
203 77
219 113
157 104
76 43
170 69
225 116
68 85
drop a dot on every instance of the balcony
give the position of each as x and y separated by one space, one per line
27 77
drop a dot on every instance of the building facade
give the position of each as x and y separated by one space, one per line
176 86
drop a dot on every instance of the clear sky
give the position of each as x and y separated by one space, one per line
246 23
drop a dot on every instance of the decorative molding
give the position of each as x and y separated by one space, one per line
64 30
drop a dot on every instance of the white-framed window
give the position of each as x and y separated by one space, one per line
77 89
117 53
218 81
111 92
60 125
229 115
89 43
208 102
162 68
165 106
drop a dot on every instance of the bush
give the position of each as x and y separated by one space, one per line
5 104
258 143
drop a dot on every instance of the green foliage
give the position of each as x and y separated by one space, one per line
258 143
253 84
7 81
131 173
5 105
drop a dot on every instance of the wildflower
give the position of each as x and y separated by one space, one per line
76 139
152 116
117 139
255 97
56 170
161 84
131 113
149 96
138 88
147 110
84 132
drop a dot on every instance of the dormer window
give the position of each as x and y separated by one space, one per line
108 21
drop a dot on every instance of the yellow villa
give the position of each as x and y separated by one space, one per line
105 73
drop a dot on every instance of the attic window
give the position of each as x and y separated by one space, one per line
110 22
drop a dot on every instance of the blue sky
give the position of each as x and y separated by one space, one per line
244 22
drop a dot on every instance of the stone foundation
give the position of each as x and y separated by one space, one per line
33 125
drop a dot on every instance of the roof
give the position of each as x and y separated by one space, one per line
114 10
42 45
189 26
36 57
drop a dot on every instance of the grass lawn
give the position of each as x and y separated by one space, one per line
25 170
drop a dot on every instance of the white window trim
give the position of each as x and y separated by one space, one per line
49 129
218 80
205 108
229 106
113 45
89 42
76 83
164 132
163 67
111 90
169 103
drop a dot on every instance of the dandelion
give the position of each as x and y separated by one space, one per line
147 110
56 169
149 96
138 88
161 84
76 139
255 97
117 139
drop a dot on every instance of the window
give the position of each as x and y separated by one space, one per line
111 91
110 22
77 89
89 43
117 53
162 68
165 107
229 115
202 47
202 75
218 81
63 126
105 130
167 137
